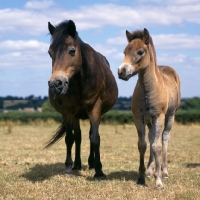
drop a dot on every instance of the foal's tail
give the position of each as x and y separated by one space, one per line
59 133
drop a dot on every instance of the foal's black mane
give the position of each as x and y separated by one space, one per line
60 34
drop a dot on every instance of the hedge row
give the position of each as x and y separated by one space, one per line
112 116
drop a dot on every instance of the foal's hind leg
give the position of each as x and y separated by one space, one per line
165 139
142 149
77 138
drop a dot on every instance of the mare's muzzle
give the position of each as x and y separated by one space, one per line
59 86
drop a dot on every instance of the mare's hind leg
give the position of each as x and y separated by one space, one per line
69 140
91 156
77 139
142 149
150 166
165 139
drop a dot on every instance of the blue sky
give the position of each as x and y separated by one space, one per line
25 65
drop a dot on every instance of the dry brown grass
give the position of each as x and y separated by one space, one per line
29 172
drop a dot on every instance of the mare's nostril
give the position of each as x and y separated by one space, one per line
58 83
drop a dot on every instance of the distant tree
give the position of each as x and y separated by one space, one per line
191 104
47 107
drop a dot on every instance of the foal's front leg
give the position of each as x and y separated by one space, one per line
157 127
142 149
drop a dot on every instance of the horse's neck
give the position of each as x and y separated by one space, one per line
149 78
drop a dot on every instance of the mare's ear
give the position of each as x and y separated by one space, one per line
71 28
51 28
146 37
128 36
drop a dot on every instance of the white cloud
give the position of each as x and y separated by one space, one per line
24 54
39 4
20 45
34 22
165 41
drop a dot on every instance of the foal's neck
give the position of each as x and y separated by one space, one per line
150 76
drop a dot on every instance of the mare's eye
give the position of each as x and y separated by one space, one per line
71 52
140 52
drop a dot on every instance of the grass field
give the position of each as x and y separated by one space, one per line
29 172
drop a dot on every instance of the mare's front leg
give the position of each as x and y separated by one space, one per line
165 139
91 156
69 140
95 117
142 149
77 138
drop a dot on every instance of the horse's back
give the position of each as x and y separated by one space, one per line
170 72
172 83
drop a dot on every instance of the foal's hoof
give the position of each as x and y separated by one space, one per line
141 181
159 187
165 175
68 170
100 177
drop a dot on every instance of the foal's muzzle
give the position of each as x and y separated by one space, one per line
59 86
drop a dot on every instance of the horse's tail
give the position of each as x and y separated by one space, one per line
59 133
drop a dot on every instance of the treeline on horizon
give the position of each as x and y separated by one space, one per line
188 112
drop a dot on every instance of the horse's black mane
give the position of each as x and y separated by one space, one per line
59 35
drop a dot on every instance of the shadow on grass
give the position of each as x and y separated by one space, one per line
192 165
119 175
123 175
41 172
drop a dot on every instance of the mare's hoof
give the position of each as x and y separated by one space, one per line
76 168
100 177
91 165
68 170
141 181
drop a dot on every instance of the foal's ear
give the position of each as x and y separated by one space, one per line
71 28
51 28
128 36
146 37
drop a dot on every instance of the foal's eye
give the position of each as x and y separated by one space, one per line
140 52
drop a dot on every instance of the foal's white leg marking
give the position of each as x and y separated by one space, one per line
157 127
165 139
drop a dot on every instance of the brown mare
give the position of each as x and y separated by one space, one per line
155 100
81 86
